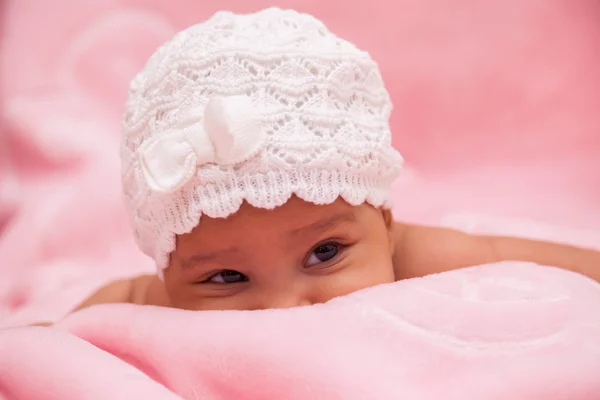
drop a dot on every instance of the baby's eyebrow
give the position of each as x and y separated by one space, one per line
198 259
325 223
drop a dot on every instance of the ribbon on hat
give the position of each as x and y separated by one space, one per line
226 131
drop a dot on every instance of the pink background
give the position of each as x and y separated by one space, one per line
497 110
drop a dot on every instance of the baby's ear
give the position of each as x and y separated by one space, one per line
388 219
392 228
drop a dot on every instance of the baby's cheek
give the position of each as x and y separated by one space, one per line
378 271
357 276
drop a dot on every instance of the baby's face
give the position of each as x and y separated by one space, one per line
297 254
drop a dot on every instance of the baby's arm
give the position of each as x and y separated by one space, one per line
120 291
139 290
424 250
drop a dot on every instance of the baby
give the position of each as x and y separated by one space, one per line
257 168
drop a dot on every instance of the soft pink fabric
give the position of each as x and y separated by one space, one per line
504 331
496 112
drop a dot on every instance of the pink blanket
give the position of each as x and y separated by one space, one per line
504 331
496 113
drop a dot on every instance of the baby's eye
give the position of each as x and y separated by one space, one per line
323 253
227 276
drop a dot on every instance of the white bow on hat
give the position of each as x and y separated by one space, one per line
226 131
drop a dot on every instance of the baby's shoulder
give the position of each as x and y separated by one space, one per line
119 291
148 290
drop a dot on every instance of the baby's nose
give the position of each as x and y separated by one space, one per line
287 300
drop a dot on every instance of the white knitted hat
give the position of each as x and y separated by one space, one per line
253 107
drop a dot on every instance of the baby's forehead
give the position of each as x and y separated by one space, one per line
253 232
292 219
